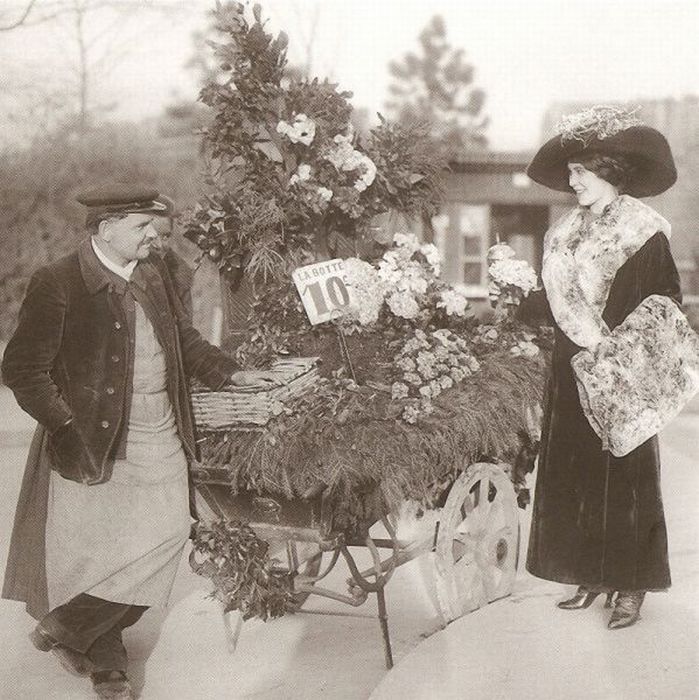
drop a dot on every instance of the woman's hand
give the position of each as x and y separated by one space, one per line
252 378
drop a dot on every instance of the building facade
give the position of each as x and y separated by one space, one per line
490 199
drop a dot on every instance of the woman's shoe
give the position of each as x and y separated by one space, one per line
627 609
583 598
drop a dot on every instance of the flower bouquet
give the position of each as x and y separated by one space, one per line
509 280
288 176
410 389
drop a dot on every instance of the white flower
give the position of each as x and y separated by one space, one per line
421 336
453 301
442 336
500 251
410 413
347 159
458 373
325 194
407 240
425 358
412 378
369 174
426 406
435 387
446 382
399 390
407 364
427 371
303 173
432 255
367 291
302 130
510 279
526 348
403 305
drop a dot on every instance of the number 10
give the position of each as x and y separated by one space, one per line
336 292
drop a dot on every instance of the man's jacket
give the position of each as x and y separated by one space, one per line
69 360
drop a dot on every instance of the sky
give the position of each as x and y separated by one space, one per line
527 53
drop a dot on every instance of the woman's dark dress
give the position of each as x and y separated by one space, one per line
598 520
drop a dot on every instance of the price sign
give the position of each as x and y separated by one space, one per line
323 289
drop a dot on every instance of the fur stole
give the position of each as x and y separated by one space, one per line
582 253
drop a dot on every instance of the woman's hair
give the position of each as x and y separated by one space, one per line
616 170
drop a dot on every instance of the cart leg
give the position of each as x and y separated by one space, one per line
232 631
383 621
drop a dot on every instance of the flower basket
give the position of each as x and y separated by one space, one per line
239 406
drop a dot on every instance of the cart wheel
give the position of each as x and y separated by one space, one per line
311 567
477 546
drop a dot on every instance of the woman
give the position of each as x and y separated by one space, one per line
613 291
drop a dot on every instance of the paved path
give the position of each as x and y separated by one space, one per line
518 648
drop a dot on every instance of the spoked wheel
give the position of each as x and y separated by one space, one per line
478 541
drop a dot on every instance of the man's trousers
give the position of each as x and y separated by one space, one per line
93 627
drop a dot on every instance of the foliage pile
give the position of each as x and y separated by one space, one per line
286 173
237 562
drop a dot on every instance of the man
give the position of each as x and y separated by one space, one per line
100 359
180 271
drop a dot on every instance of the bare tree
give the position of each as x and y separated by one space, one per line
93 52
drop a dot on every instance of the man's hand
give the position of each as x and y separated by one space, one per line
68 452
249 378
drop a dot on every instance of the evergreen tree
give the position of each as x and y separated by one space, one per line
436 86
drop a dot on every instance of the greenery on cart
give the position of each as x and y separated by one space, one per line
410 386
237 562
287 175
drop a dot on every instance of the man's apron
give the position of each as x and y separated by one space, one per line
122 540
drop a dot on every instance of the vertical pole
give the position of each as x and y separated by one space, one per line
345 351
383 622
232 632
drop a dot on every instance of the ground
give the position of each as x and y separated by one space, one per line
517 648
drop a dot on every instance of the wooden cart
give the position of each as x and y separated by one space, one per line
475 540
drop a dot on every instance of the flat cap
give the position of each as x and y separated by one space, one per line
123 197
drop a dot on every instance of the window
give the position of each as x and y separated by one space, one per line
474 236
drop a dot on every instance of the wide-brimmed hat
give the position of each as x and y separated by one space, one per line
607 131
